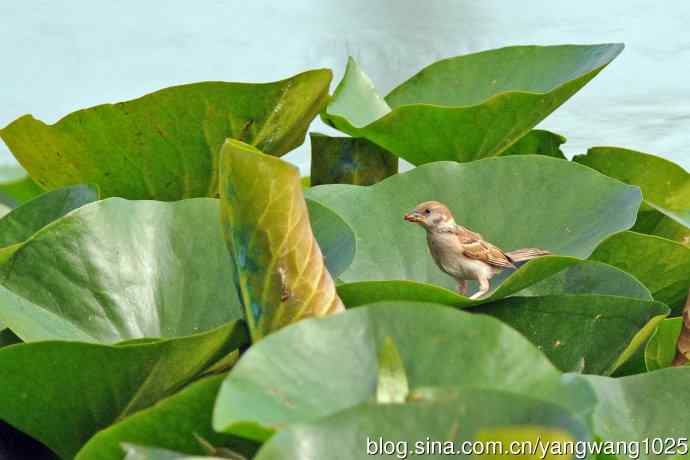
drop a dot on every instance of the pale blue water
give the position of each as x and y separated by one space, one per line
56 57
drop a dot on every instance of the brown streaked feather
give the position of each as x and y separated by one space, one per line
486 252
521 255
465 233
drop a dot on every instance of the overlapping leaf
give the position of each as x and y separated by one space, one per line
515 201
661 349
20 224
594 334
538 142
613 307
645 406
115 270
281 274
474 415
165 145
62 393
16 187
179 423
336 238
280 380
665 188
661 264
349 160
544 276
467 107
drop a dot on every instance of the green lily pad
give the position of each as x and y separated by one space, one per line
589 277
615 309
593 334
665 188
514 202
115 270
173 423
467 107
336 238
16 187
62 393
538 142
349 160
399 429
661 264
544 276
662 346
280 271
165 145
20 224
645 406
317 367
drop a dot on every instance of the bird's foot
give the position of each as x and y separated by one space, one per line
462 287
477 295
484 287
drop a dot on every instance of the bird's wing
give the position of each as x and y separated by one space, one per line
465 234
486 252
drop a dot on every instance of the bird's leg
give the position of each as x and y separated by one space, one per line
462 287
483 288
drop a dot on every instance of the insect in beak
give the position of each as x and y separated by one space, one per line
413 217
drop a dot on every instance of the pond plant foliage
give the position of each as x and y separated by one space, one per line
170 288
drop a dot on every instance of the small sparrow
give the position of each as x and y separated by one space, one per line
462 253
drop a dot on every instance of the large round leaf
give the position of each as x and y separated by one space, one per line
336 238
409 430
612 306
665 187
319 366
645 406
27 219
281 275
538 142
544 276
594 334
515 201
62 393
115 270
467 107
589 277
662 347
349 160
661 264
180 423
165 145
16 186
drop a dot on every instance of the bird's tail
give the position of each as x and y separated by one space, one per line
525 254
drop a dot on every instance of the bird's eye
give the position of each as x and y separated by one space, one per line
427 211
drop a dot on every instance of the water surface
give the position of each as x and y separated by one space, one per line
58 57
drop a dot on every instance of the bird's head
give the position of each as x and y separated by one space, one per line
430 215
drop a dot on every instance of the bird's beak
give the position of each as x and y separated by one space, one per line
413 217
